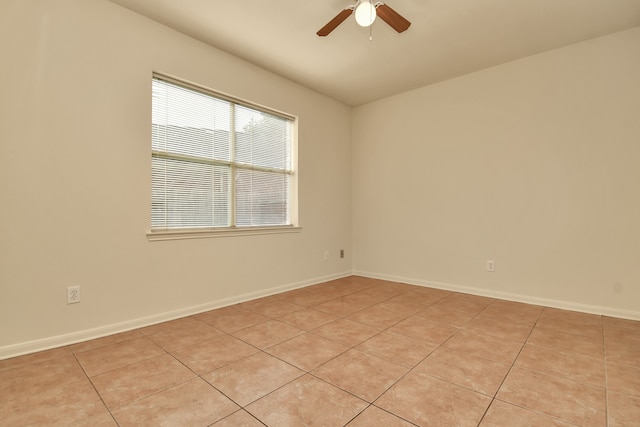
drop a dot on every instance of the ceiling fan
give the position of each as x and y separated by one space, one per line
366 13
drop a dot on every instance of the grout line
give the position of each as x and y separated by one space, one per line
96 390
458 329
606 374
494 397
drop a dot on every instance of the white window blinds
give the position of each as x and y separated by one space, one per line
217 162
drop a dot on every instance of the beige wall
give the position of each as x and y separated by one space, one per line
534 164
75 178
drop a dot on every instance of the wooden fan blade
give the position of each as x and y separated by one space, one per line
393 18
324 31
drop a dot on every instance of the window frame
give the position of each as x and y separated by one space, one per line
154 234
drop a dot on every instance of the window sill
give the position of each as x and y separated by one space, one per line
203 233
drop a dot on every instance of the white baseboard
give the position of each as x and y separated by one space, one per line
528 299
88 334
19 349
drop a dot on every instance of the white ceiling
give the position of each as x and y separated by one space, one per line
447 38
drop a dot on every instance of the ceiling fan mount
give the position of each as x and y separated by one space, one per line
366 12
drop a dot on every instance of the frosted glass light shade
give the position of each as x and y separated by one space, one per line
365 13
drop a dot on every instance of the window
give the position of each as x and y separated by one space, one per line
218 163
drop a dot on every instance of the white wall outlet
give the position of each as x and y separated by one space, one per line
491 266
73 294
326 255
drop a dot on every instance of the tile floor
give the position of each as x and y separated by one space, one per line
354 351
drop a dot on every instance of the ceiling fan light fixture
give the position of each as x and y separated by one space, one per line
365 13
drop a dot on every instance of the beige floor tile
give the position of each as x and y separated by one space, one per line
499 328
366 298
407 288
277 308
181 333
571 322
307 351
508 311
466 370
485 346
623 379
445 315
616 334
405 304
384 292
194 403
426 296
623 349
423 356
103 420
267 334
377 317
210 355
397 287
623 410
305 298
422 329
239 419
176 325
346 332
307 401
329 291
466 303
253 377
105 341
28 359
114 356
551 315
357 283
625 328
361 374
231 321
341 306
567 400
399 349
307 319
126 385
33 378
502 414
333 289
567 343
61 405
373 416
576 366
214 315
428 401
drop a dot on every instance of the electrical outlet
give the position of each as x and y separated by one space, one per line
491 266
326 255
341 253
73 294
